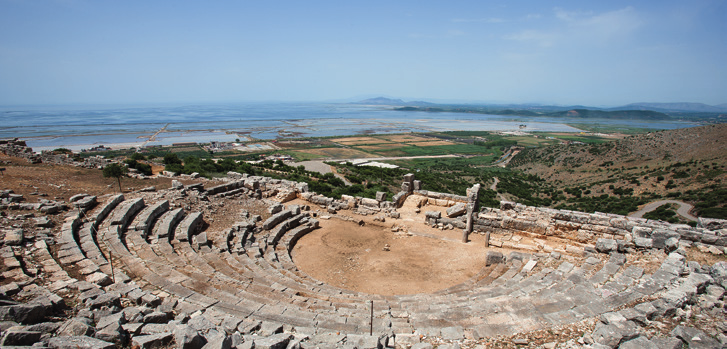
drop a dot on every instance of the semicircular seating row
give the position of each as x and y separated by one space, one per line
152 245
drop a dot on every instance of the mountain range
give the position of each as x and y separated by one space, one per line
683 107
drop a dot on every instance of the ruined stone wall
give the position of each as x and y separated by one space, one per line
585 229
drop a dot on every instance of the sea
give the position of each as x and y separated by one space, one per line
83 127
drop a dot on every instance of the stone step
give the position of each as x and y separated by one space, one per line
145 220
53 273
166 224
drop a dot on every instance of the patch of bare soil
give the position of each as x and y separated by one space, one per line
704 258
373 259
36 181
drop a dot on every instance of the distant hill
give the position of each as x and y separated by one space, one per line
615 114
642 111
391 101
571 113
675 107
381 101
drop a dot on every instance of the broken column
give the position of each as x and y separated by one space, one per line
408 185
406 188
473 198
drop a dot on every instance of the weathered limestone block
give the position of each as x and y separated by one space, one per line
399 198
276 219
599 220
524 225
643 242
321 200
380 196
442 202
168 221
433 214
606 245
409 177
660 236
417 184
454 222
151 214
14 237
369 202
123 215
642 232
456 210
286 195
188 226
494 257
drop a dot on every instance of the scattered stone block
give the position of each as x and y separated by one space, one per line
14 337
14 237
187 337
493 257
640 342
671 244
606 245
79 342
456 210
694 338
276 341
152 340
76 327
643 242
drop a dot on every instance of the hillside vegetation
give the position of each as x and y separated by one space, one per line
685 164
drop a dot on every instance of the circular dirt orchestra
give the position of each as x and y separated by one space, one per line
353 257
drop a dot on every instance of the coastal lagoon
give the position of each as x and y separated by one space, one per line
79 128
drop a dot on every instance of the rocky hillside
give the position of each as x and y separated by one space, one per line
685 164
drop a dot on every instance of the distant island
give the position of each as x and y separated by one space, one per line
641 111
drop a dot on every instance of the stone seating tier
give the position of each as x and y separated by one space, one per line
264 284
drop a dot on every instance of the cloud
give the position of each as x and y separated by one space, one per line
604 25
541 38
582 27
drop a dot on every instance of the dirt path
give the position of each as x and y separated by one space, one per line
683 209
494 187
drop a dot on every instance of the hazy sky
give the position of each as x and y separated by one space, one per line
602 53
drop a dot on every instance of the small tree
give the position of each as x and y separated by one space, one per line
116 171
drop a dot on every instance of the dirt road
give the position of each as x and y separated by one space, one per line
683 209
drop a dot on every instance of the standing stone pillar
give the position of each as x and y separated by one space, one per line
473 199
408 185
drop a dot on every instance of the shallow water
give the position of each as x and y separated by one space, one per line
79 127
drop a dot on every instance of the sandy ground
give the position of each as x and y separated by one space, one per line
349 256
